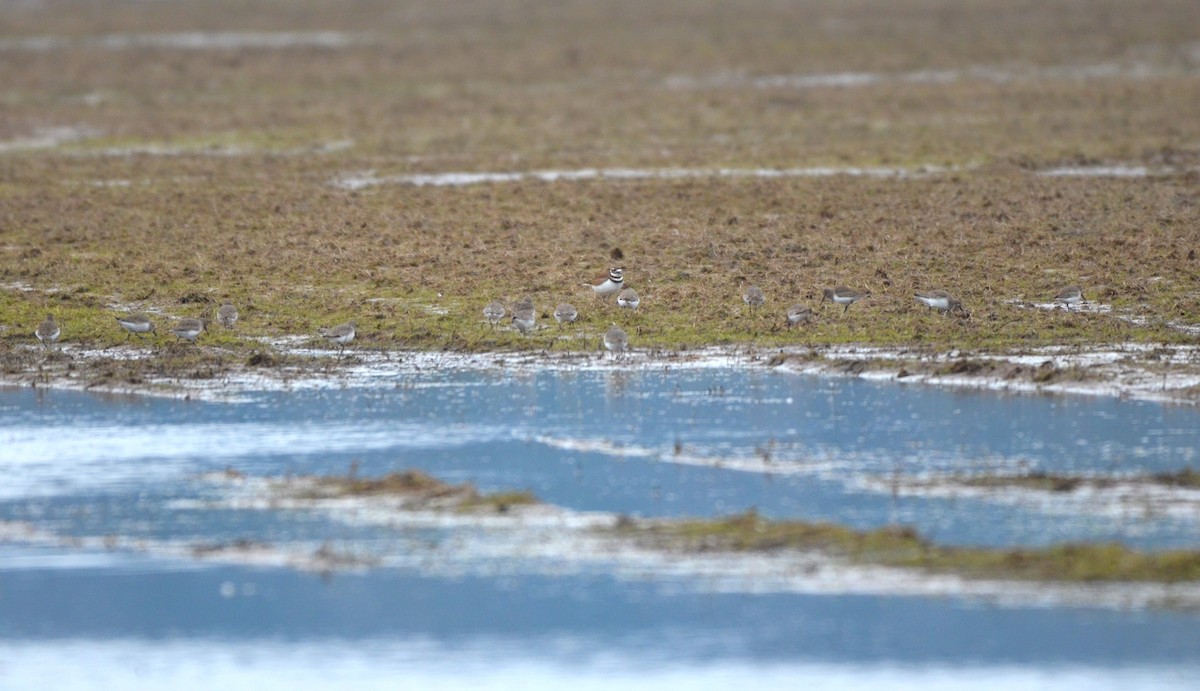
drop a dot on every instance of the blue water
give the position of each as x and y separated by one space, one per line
649 443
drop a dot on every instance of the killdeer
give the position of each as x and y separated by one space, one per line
1071 295
843 296
629 299
940 300
341 335
753 297
48 332
493 312
615 340
135 323
188 329
524 316
797 314
610 283
227 314
565 313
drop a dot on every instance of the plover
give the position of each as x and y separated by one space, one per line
615 340
753 297
797 314
1071 295
565 313
188 329
227 314
629 299
493 312
341 335
135 323
939 300
843 296
610 283
48 331
524 316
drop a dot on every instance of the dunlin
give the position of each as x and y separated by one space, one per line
939 300
1071 295
753 297
565 313
608 284
135 323
797 314
341 335
227 314
48 332
493 312
524 316
843 296
629 299
188 329
615 340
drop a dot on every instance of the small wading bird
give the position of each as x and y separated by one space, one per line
188 329
524 316
629 299
609 284
565 314
843 296
797 314
135 323
493 312
48 331
754 297
615 341
227 314
341 335
1071 295
941 301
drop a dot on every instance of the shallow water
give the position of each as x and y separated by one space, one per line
447 598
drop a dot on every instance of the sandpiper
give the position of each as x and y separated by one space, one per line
754 297
48 332
135 323
939 300
1071 295
188 329
798 313
615 340
609 284
565 313
629 299
843 296
524 316
227 314
341 334
493 312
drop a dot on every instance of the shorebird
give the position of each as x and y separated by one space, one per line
565 314
797 314
493 312
609 284
227 314
615 340
843 296
524 316
341 335
1071 295
188 329
753 297
48 331
135 323
629 299
939 300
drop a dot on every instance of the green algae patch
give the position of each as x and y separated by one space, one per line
414 488
902 547
1038 480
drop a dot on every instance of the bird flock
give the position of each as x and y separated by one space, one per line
523 315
